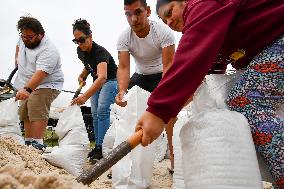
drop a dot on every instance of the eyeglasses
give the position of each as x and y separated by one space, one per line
28 37
80 40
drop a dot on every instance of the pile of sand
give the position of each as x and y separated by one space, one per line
22 167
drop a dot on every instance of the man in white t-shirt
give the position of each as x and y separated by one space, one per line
152 45
39 79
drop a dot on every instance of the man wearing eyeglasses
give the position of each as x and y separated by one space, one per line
39 79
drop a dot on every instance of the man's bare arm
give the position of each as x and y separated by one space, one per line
167 57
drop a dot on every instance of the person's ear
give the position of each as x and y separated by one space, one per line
148 11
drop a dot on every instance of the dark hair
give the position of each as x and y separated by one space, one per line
82 25
163 2
28 22
129 2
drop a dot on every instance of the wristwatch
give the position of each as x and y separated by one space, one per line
29 90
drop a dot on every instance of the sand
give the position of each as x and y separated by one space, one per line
22 167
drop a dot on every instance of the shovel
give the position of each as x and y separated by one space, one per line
88 176
8 87
78 91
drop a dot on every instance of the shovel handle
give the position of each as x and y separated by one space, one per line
88 176
78 90
11 76
135 139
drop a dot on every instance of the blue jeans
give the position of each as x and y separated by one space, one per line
100 105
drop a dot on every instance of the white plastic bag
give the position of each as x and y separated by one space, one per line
136 169
73 147
218 152
217 147
161 147
178 178
9 120
109 139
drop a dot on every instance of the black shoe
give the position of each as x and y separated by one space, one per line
96 154
28 143
38 146
109 176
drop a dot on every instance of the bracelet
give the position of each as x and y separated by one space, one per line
29 90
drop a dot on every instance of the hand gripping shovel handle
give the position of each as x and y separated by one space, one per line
78 90
88 176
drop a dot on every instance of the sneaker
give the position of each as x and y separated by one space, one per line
38 146
28 143
171 171
96 154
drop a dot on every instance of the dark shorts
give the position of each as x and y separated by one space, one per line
146 82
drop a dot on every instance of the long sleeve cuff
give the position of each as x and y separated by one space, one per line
161 113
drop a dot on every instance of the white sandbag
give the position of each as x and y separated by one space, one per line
219 87
109 139
218 150
136 169
69 157
161 147
9 120
178 178
70 118
73 142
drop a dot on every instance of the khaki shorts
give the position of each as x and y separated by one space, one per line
37 106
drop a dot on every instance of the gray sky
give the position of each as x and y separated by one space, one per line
105 16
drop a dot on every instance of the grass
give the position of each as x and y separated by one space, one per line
51 139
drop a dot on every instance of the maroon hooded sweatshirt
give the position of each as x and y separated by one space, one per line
215 33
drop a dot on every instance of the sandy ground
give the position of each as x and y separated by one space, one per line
22 167
161 177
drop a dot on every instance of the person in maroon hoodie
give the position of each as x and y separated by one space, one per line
249 35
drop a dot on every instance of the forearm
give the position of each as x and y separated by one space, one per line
97 84
84 73
165 68
36 79
167 57
123 77
16 55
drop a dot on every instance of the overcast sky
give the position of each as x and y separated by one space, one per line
105 16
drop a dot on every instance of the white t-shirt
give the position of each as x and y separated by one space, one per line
147 52
44 57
